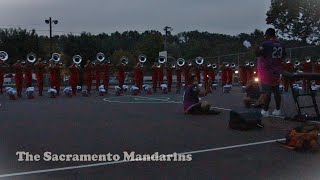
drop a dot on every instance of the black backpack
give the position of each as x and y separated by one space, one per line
245 119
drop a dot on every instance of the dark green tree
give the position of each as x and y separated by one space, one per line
296 19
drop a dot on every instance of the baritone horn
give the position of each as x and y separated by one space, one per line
31 58
181 62
3 56
77 59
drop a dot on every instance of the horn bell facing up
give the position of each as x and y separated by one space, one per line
31 57
3 56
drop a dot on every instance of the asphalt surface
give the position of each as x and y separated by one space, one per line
145 125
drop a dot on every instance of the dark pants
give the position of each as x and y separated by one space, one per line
267 90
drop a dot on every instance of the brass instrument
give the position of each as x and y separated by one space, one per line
100 57
308 59
55 57
214 66
233 65
31 58
288 61
181 62
77 59
199 61
162 59
3 56
142 58
251 64
124 60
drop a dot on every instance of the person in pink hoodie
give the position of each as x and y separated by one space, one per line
270 54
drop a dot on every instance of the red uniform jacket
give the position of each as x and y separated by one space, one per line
39 68
121 71
18 69
74 76
88 73
28 74
307 67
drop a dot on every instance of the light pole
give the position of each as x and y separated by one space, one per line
50 21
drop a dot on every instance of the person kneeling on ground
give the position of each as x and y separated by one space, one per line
254 98
191 102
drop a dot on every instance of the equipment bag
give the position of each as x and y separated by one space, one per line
303 138
245 119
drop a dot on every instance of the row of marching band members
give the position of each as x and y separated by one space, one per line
306 66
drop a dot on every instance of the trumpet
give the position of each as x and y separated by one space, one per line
247 64
3 56
297 63
173 66
190 64
209 64
251 64
77 59
233 65
181 62
199 61
227 64
124 60
31 58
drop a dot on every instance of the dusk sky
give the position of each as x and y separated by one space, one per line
96 16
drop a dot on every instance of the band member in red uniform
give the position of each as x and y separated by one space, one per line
88 75
169 70
205 74
306 68
74 77
18 69
186 73
250 72
243 74
57 76
2 68
224 74
97 70
160 74
121 74
155 72
179 79
317 70
212 74
40 68
138 75
287 66
105 69
230 72
28 73
197 72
